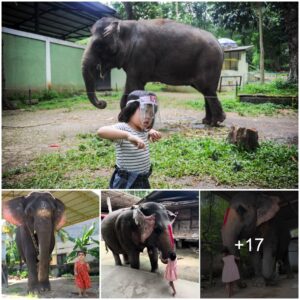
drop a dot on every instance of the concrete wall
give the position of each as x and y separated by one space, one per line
37 62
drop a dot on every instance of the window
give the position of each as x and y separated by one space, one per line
61 259
231 60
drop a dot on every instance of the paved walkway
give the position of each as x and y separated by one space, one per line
124 282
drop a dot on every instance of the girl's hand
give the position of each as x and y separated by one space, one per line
136 141
154 135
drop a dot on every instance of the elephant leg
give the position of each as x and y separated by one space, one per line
215 107
126 259
117 259
269 265
29 254
134 258
131 85
287 266
153 256
214 113
208 116
257 263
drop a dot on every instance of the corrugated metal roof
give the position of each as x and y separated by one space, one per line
118 200
80 205
241 48
69 21
171 196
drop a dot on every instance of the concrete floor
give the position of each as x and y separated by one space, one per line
124 282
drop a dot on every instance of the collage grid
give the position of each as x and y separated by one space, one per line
145 154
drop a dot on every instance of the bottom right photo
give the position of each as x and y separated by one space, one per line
249 244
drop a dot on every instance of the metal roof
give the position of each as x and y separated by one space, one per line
69 21
80 205
118 200
171 196
241 48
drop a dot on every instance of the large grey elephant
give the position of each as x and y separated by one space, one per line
257 215
37 216
155 50
128 231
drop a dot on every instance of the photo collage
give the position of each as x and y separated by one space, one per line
149 150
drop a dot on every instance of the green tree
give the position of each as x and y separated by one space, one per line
82 242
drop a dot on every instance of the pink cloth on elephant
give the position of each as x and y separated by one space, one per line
171 270
230 269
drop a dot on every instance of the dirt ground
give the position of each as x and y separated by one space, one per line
60 288
26 134
286 288
124 282
188 262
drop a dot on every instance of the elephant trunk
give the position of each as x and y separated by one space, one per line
166 244
45 236
89 73
230 231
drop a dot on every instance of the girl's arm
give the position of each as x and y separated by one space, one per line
75 270
108 132
154 135
88 267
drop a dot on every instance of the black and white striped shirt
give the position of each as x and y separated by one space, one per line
129 157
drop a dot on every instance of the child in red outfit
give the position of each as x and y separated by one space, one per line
81 272
171 270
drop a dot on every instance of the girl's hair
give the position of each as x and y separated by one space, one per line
172 255
128 111
81 251
225 251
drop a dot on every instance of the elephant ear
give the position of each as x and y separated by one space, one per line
13 211
145 223
59 214
112 29
267 207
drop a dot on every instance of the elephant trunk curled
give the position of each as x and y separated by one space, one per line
89 73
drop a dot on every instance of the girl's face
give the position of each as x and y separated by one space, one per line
142 121
81 256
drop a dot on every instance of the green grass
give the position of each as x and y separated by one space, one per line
175 157
274 88
72 103
243 108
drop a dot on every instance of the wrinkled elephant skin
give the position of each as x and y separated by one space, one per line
155 51
128 231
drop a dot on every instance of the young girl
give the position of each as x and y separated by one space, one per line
230 270
81 272
131 135
171 270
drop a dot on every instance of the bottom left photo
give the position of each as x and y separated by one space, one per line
50 243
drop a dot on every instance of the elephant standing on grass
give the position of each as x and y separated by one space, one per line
155 51
37 216
128 231
257 215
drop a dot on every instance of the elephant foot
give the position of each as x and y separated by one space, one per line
44 286
271 282
154 269
258 282
33 290
217 120
206 121
117 260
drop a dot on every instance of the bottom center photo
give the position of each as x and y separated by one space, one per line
150 244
